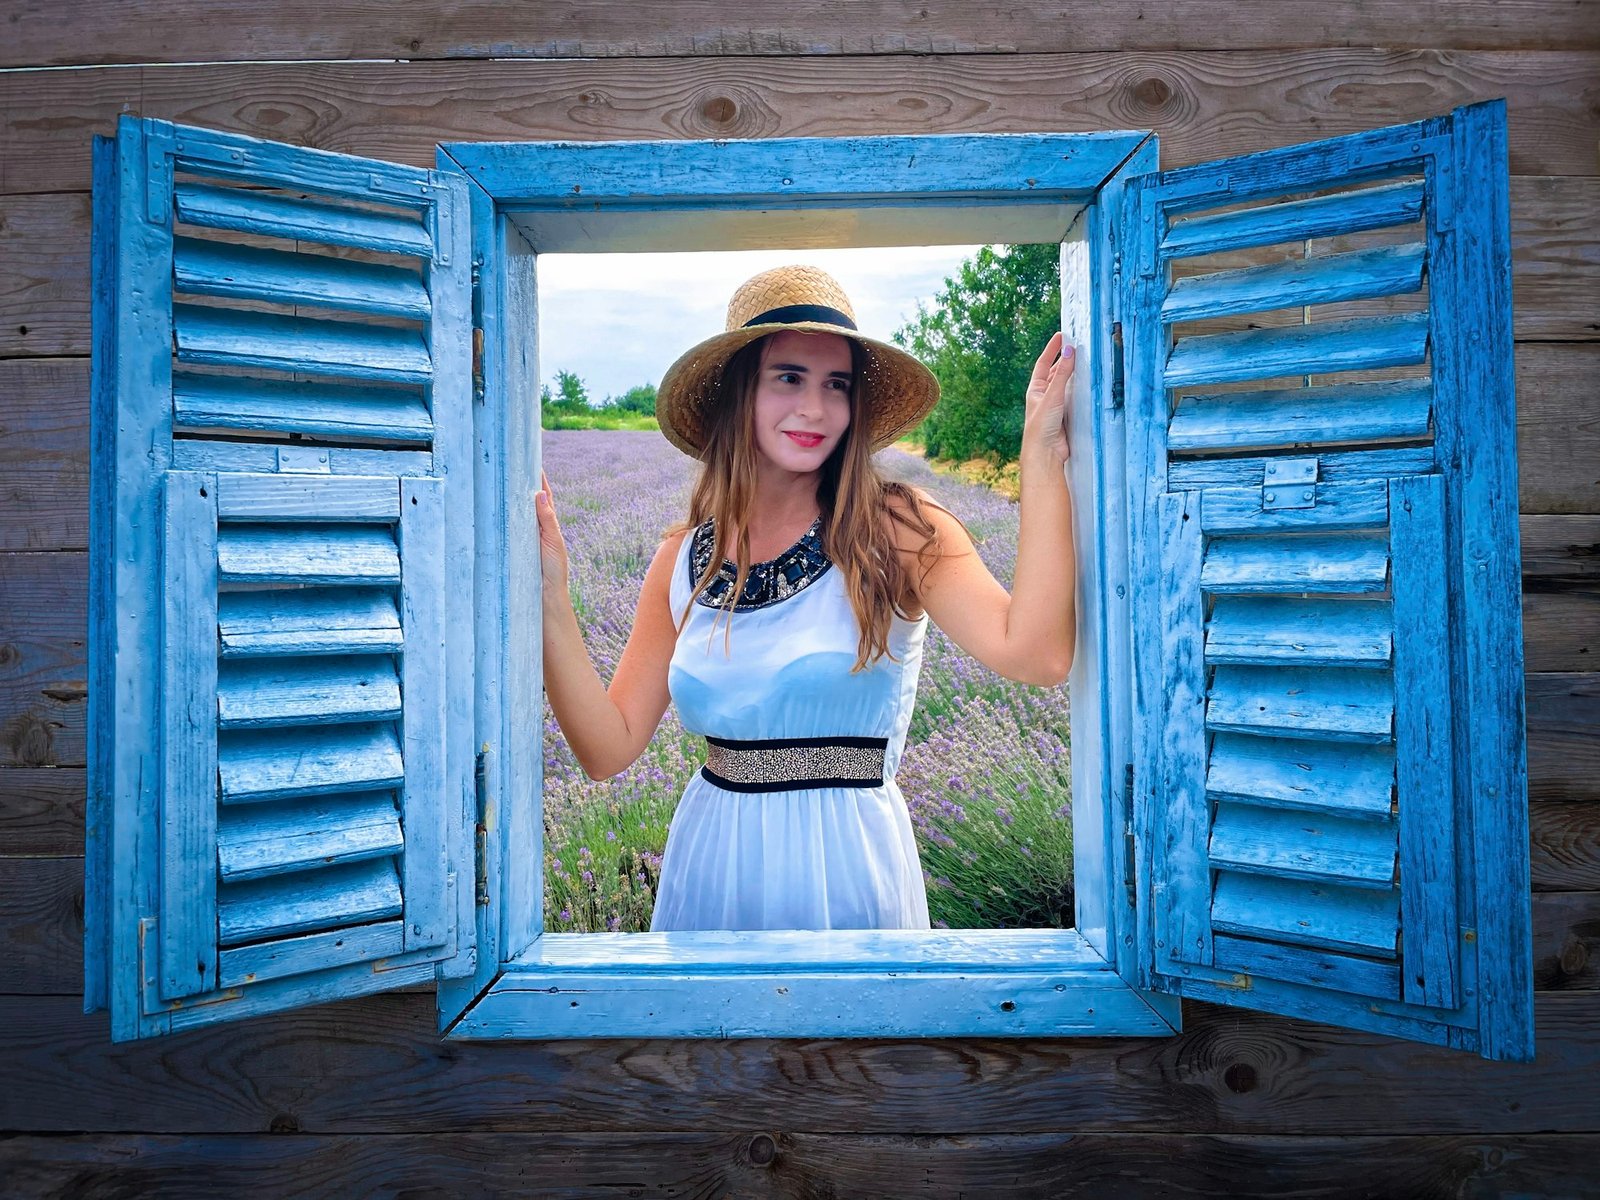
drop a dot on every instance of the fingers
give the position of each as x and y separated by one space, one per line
1047 356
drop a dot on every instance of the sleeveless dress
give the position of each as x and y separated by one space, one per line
814 857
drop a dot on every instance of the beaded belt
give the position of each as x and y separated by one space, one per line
786 764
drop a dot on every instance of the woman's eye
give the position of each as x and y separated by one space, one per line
788 377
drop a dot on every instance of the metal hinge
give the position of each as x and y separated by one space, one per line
304 460
1117 390
1129 846
480 848
1289 483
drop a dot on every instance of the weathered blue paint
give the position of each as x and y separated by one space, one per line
847 171
1287 900
1296 220
1350 412
1344 855
989 983
290 766
1294 282
1422 739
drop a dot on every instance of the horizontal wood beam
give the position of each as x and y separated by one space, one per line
774 1163
44 267
1204 105
230 30
41 909
378 1065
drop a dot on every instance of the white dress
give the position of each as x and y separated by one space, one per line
824 857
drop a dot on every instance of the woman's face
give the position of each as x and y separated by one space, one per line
802 399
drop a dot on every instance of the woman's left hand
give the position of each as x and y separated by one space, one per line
1045 418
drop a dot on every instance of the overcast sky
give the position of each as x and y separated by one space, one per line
618 320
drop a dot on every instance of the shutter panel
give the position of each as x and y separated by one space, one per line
1330 771
281 578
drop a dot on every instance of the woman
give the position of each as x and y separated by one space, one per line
785 619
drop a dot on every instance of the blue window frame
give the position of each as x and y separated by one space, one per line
313 603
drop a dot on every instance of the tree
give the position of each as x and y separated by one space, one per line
641 399
980 338
571 394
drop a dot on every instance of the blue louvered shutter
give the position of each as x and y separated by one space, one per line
281 756
1329 766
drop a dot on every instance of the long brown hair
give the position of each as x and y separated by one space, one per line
854 498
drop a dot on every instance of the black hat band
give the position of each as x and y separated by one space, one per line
791 314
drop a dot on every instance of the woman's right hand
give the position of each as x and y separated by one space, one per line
553 561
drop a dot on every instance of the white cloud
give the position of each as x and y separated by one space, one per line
618 320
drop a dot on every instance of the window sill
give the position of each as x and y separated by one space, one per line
987 983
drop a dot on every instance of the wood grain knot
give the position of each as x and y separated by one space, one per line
1240 1078
1574 956
719 110
284 1123
763 1150
1153 92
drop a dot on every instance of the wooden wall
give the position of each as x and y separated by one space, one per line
363 1097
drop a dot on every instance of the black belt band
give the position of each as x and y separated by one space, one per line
791 764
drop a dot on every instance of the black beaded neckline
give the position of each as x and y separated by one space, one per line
768 583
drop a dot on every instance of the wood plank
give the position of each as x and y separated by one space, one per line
1560 553
43 667
216 30
44 453
1204 105
1561 632
1566 941
44 265
779 1163
44 280
1566 845
41 811
1555 254
1558 443
1563 712
41 908
43 681
378 1065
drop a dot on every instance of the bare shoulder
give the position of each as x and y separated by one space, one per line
949 534
658 577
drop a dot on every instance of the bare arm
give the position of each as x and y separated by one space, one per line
607 728
1030 634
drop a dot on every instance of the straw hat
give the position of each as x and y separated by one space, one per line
901 389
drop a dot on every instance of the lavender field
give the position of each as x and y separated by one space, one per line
985 771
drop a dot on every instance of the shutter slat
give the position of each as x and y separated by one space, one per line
1296 220
272 215
289 554
1353 781
263 693
1355 344
307 499
1309 633
1303 913
1187 474
258 840
1302 845
1337 704
1331 507
327 409
1296 282
309 952
309 621
349 894
233 338
1322 415
1308 563
204 268
279 764
1299 964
